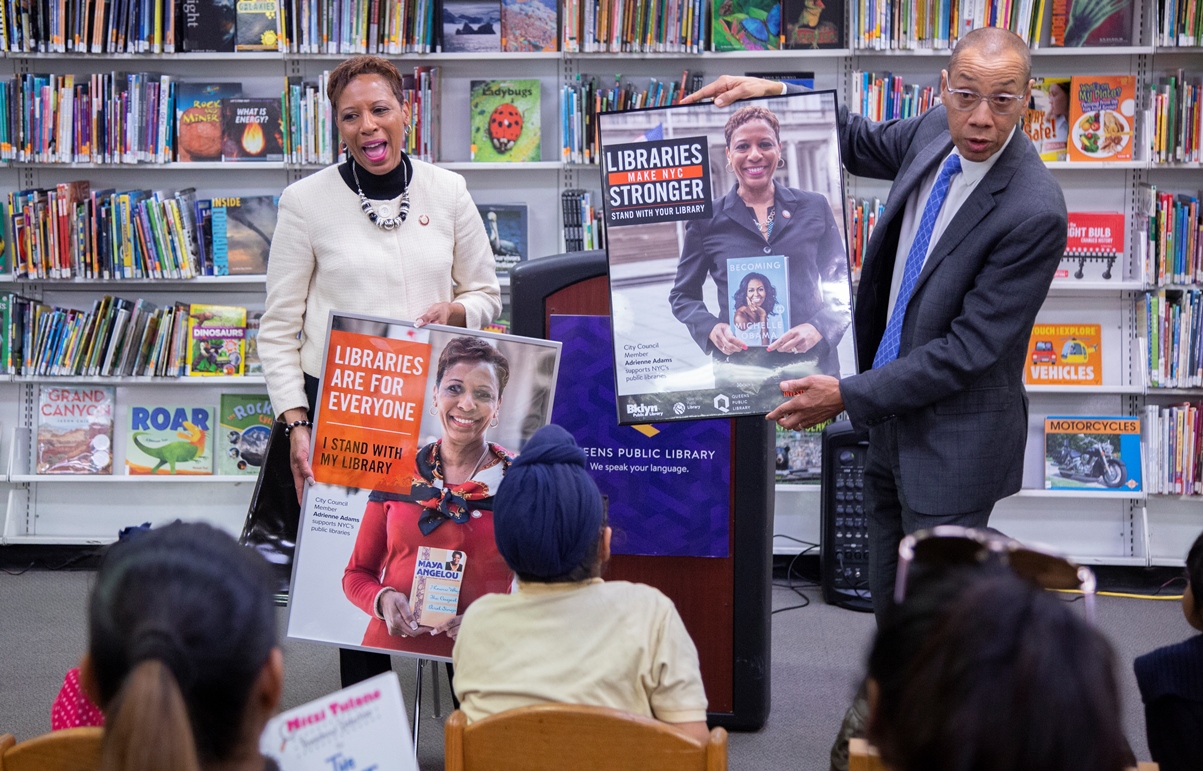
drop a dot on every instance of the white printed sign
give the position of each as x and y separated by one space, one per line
361 728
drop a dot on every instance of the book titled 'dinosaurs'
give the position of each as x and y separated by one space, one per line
169 440
75 430
216 340
438 574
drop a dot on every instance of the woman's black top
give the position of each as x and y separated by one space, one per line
379 187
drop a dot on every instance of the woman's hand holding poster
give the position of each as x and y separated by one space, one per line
728 264
414 430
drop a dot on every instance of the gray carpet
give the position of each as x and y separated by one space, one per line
817 656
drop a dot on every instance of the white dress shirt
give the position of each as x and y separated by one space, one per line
959 189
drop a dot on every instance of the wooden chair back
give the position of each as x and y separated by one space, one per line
863 756
72 749
552 737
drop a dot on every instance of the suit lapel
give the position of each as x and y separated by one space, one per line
736 210
924 161
976 207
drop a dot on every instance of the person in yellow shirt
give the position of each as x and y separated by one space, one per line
566 635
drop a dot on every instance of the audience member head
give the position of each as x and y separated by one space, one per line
182 654
1192 597
981 670
548 517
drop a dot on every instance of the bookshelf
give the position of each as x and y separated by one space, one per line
1109 530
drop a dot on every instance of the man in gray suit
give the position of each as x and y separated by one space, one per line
957 267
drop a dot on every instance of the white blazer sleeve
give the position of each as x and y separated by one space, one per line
473 269
290 268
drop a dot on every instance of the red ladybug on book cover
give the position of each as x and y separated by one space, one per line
505 127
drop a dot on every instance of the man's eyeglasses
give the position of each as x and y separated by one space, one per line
952 545
964 100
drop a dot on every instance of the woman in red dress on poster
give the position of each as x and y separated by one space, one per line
449 506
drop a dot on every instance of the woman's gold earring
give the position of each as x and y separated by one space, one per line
493 423
434 410
729 166
781 163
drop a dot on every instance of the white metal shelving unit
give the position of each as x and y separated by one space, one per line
1098 528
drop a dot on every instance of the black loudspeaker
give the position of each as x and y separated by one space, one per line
844 548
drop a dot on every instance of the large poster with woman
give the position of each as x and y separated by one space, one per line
413 432
727 251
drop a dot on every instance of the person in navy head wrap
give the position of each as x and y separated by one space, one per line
567 636
549 521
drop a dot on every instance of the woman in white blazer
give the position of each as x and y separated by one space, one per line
381 234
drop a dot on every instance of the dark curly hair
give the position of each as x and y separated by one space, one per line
770 293
471 350
349 69
744 115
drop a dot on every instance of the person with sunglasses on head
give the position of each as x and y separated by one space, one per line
958 266
1171 683
978 668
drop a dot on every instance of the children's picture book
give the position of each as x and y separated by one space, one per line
1046 121
360 728
216 338
505 120
75 430
759 298
242 228
244 427
528 25
1096 453
812 24
1088 23
198 119
1065 354
800 455
251 129
1102 117
438 574
748 25
252 365
256 26
1094 245
208 25
471 26
169 440
505 223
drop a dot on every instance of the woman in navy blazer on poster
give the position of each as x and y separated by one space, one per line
759 217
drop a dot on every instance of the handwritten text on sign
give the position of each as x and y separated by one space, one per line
373 389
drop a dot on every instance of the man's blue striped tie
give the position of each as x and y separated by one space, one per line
887 351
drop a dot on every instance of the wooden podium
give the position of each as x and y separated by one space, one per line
725 603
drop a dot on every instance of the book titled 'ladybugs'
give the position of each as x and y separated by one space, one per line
505 120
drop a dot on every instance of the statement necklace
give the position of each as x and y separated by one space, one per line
384 223
766 227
